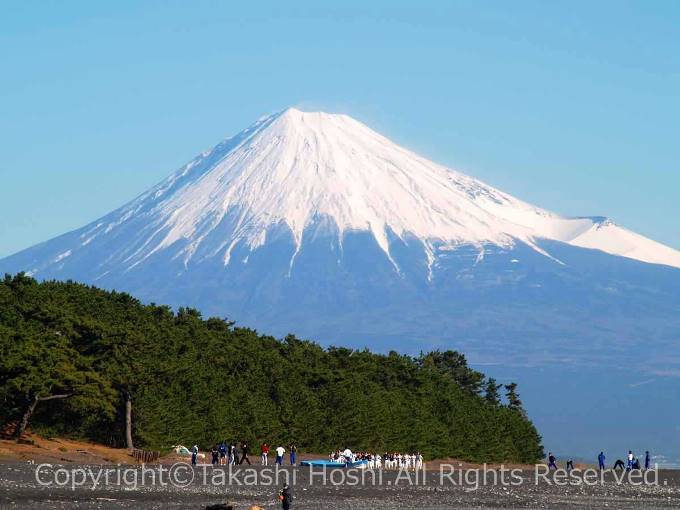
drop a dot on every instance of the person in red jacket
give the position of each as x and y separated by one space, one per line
264 454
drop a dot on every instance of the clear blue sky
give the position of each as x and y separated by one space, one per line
574 106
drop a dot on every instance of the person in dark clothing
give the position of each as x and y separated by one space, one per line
245 450
552 461
215 452
636 463
600 461
223 453
293 454
648 460
570 465
285 497
619 464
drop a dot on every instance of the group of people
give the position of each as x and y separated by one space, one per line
224 454
393 460
632 462
280 452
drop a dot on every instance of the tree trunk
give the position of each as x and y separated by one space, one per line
26 417
31 409
128 420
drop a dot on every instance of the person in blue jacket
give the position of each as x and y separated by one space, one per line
223 453
647 460
293 454
600 460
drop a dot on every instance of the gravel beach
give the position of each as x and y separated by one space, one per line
26 485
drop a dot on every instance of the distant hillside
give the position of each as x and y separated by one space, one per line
74 357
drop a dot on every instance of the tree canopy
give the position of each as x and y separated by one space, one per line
192 380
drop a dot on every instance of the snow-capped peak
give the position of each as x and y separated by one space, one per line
293 168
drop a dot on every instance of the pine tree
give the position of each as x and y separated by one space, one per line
105 367
514 402
491 395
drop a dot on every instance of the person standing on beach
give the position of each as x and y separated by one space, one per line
245 449
293 454
215 455
647 460
279 455
194 455
552 461
223 453
285 496
264 454
233 454
600 461
630 459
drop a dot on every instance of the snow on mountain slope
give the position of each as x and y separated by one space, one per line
294 167
607 236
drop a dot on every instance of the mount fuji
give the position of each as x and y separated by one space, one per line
314 224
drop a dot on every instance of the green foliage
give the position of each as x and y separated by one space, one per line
193 380
454 365
491 392
40 360
514 403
